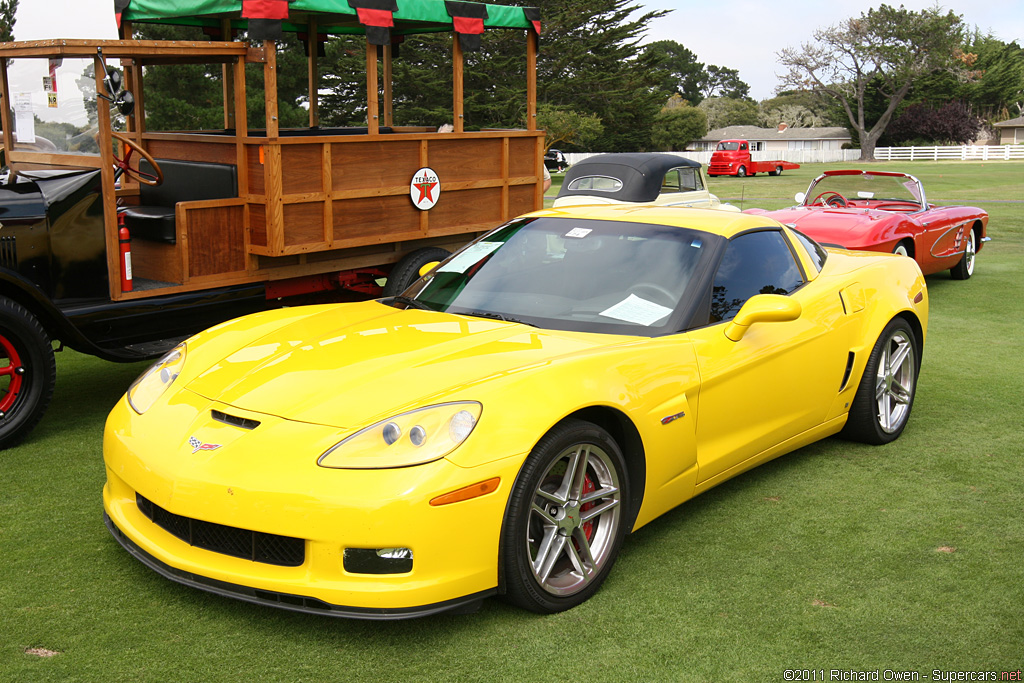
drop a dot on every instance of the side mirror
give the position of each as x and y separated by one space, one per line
762 308
427 267
125 103
799 197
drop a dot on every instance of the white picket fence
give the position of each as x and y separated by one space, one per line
814 156
955 153
798 156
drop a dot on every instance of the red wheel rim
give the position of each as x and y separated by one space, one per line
10 375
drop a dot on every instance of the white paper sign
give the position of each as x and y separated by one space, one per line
633 309
469 257
578 232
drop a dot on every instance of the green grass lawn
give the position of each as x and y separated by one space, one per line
838 556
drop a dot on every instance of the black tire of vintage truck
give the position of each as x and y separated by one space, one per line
407 270
28 372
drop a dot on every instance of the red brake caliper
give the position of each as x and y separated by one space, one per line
13 371
588 527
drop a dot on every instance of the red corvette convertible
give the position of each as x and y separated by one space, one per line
888 212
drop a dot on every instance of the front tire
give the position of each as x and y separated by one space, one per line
741 171
965 268
565 519
882 404
28 372
407 270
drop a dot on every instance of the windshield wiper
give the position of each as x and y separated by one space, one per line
496 316
414 303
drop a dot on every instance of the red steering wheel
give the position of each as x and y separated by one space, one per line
831 198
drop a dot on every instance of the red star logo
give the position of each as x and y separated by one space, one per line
425 189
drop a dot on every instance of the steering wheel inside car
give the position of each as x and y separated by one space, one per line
831 198
123 165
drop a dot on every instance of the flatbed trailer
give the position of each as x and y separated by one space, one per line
249 216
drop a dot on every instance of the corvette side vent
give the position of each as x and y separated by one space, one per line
234 420
849 370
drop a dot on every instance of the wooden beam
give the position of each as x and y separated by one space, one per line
6 107
107 184
457 74
372 90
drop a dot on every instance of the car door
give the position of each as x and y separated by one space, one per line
780 378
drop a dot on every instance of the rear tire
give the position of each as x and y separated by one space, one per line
28 372
965 268
407 270
885 396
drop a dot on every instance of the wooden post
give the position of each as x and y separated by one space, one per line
314 75
531 80
457 73
6 106
107 183
372 90
228 79
388 121
270 87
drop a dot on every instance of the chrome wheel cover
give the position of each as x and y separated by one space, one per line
894 385
969 251
574 519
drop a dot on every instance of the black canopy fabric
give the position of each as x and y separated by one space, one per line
641 174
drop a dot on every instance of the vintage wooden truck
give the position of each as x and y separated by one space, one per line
122 251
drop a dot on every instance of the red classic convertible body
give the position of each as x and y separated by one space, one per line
887 212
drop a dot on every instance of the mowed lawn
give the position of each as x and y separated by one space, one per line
838 556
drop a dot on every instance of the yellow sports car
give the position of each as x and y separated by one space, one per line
499 427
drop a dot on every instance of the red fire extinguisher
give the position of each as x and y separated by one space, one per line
126 259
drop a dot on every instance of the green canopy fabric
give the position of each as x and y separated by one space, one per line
331 16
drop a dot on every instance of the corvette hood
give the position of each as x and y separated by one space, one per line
345 365
832 226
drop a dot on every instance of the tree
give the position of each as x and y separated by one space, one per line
725 111
8 10
951 124
567 126
683 74
886 50
720 81
677 124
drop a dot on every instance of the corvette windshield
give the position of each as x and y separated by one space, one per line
572 274
865 188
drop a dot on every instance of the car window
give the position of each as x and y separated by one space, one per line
681 180
754 263
596 182
814 250
671 182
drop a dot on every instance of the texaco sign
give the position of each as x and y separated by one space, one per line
425 188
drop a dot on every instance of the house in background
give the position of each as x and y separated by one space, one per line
776 139
1011 132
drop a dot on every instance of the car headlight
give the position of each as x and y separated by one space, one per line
151 385
411 438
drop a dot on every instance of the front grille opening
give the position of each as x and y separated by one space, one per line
849 369
283 551
234 420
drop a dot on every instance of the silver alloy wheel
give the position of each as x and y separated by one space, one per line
894 386
969 251
574 519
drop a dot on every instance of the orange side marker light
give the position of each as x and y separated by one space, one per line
467 492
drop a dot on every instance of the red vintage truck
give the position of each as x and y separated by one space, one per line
732 157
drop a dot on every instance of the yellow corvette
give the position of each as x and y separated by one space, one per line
498 428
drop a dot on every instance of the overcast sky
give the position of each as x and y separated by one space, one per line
738 34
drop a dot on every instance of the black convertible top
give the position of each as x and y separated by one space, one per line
641 174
